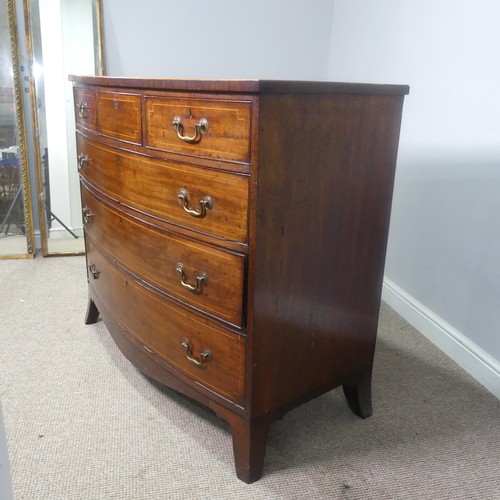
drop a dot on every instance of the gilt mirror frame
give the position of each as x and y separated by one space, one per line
21 137
101 65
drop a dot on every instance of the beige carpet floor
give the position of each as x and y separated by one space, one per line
82 423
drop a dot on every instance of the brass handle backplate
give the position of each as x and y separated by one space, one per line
93 270
201 278
200 128
88 215
83 110
82 160
206 203
205 356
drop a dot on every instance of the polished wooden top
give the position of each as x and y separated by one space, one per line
243 86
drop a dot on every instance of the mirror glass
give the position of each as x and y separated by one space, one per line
16 236
65 39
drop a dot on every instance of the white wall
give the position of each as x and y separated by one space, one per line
444 245
67 45
218 38
79 58
55 110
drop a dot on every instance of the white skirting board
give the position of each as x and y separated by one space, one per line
474 360
59 233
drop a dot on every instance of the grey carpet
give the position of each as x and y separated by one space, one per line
83 423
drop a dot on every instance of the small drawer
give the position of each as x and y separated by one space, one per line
212 202
85 108
211 356
204 277
210 128
119 116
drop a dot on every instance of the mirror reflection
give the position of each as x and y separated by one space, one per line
65 39
16 238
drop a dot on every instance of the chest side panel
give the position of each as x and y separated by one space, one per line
324 188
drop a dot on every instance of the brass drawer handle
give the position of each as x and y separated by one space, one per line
206 203
88 215
83 110
205 356
93 270
200 128
82 161
200 279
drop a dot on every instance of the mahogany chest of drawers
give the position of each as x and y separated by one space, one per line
236 235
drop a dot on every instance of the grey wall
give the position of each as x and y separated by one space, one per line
445 229
218 38
444 242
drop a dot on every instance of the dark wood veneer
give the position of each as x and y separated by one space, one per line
308 215
241 86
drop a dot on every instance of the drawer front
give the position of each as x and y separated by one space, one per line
153 186
213 278
162 328
204 128
119 116
85 108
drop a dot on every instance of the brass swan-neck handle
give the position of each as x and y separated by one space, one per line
206 203
200 128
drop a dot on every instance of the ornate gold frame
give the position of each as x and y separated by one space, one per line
34 127
100 38
21 137
34 117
